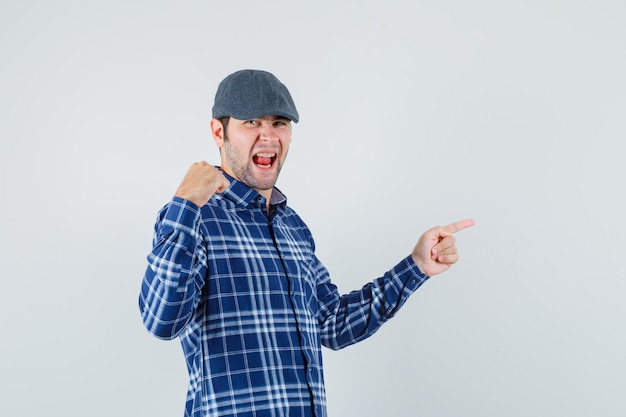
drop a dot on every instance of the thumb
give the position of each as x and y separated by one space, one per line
223 184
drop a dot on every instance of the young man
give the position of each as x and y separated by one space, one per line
233 271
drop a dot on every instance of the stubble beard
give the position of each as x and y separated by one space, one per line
244 172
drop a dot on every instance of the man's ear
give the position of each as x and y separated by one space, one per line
218 132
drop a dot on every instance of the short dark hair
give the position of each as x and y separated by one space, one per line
224 121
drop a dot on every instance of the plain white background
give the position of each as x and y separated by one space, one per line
413 114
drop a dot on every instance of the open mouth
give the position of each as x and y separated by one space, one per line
264 160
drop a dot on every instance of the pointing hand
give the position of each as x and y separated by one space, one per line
436 251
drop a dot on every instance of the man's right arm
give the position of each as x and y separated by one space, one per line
174 278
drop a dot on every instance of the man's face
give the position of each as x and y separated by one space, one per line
253 151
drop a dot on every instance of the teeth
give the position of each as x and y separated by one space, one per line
264 155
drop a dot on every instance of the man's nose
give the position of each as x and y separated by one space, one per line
267 132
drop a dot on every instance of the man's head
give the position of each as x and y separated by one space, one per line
251 125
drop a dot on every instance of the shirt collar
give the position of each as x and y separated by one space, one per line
241 194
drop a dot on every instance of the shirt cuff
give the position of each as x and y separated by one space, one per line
181 215
413 276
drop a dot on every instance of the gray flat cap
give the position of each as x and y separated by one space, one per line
248 94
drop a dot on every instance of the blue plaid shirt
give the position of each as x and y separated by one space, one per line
252 304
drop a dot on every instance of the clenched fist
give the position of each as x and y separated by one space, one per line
201 182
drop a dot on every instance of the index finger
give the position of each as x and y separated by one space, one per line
458 226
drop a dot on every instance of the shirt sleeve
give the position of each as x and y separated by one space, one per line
350 318
174 278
